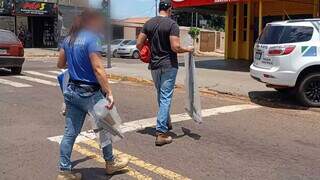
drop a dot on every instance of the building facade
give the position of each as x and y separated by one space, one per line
245 19
39 23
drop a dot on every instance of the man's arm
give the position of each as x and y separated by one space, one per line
140 41
176 47
62 62
101 75
175 40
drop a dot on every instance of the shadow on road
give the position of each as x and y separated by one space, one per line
75 163
96 173
186 132
222 64
275 99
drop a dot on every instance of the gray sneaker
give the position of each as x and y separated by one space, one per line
68 175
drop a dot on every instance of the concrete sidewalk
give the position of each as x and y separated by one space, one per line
226 76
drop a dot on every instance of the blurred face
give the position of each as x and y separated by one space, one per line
96 24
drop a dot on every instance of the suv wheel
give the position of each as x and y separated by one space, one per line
16 70
136 55
309 90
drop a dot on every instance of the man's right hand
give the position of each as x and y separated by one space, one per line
190 49
111 102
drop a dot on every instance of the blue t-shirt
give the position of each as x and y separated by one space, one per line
78 56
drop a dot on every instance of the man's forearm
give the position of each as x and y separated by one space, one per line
103 81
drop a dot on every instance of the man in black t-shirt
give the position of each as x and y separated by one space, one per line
163 34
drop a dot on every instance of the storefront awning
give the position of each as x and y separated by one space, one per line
195 3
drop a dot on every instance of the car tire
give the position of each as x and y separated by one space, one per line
16 70
136 55
115 54
309 90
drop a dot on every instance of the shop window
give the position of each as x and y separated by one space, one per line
245 22
234 23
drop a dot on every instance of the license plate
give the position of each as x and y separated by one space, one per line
3 51
258 55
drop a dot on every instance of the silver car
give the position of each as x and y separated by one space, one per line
129 50
115 44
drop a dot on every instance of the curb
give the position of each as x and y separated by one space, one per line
211 92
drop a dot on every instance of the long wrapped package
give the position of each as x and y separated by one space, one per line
105 123
193 106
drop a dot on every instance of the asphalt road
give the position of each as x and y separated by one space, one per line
238 139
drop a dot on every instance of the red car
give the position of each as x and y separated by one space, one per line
11 52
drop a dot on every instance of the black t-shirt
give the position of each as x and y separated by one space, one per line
158 30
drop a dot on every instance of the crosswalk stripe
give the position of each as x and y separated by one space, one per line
40 74
41 81
14 84
55 72
131 172
140 163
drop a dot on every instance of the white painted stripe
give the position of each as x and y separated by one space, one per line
55 72
41 81
150 122
14 84
40 74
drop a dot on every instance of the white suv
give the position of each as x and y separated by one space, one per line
287 58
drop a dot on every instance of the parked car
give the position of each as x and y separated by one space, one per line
115 44
287 58
11 52
129 50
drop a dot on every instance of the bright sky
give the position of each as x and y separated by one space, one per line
121 9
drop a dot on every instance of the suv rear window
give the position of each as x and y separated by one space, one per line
274 34
8 37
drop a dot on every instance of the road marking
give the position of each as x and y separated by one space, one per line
41 81
131 172
40 74
14 84
150 167
150 122
55 72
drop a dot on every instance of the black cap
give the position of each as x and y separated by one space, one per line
164 5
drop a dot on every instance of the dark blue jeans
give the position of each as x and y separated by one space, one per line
79 102
164 80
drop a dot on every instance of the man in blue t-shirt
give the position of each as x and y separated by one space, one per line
88 84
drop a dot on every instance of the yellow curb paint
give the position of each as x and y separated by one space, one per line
131 172
133 160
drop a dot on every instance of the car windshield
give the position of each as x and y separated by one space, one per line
125 42
274 34
134 42
116 42
8 37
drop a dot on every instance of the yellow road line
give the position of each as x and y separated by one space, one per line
131 172
155 169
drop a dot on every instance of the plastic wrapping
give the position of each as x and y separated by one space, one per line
99 117
193 97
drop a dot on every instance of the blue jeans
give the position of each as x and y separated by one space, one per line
164 80
78 103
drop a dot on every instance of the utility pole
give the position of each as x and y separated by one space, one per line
106 5
156 7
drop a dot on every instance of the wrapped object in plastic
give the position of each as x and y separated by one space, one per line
193 107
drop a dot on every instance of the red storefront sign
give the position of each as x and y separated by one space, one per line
194 3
